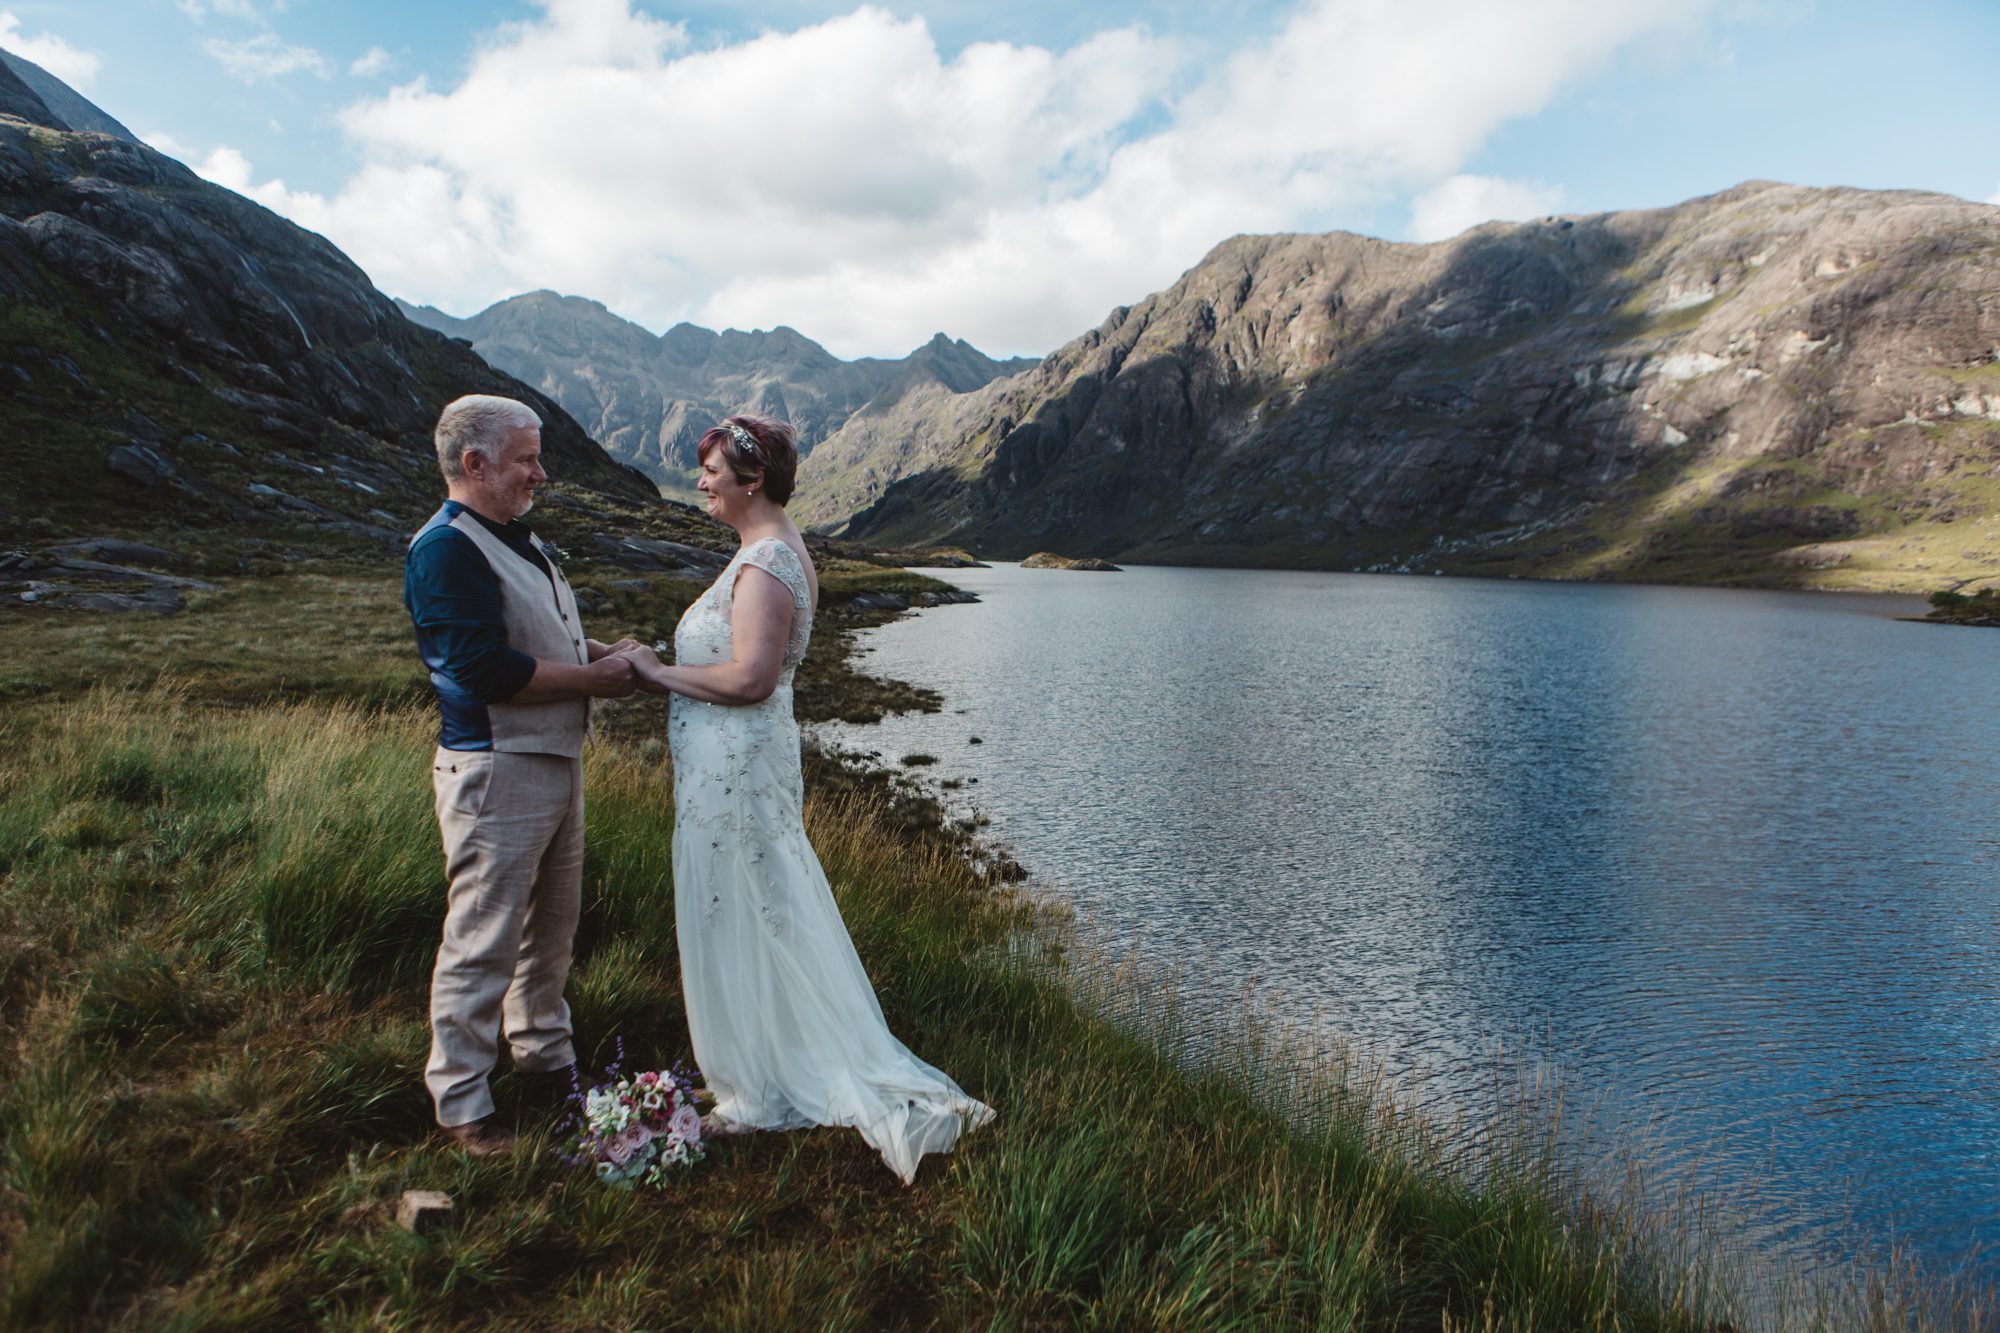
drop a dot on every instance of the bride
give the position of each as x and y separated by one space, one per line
786 1027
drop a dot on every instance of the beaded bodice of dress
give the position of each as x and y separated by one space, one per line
702 638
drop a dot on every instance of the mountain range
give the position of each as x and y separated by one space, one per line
1773 384
208 386
647 399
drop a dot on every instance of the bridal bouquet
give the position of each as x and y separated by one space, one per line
636 1130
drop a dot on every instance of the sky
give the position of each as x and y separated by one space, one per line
1006 173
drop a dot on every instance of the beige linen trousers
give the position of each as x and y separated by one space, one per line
513 844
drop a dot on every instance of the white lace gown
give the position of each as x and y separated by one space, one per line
786 1027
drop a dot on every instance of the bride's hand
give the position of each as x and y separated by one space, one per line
645 665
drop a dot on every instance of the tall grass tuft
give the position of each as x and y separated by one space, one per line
345 878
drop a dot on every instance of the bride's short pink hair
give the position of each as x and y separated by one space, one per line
774 452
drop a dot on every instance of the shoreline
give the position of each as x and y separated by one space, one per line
942 572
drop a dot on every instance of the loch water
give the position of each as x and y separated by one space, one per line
1727 863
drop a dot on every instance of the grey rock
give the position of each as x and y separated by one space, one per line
94 571
160 601
650 553
115 549
143 464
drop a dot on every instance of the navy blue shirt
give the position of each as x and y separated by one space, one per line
453 597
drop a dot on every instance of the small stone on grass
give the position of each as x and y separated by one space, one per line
423 1211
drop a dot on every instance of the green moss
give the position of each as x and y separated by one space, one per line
1984 375
1632 320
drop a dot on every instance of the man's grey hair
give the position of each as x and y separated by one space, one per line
481 423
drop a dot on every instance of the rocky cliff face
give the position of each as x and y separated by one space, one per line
178 364
648 399
68 108
1773 384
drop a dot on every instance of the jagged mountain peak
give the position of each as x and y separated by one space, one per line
69 109
650 398
17 99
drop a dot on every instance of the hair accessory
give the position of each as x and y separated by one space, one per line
746 443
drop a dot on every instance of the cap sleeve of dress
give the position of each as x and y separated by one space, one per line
776 557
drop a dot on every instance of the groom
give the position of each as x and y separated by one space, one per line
497 627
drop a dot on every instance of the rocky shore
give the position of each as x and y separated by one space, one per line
1049 560
1955 608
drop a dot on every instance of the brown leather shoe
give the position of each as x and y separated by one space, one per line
482 1138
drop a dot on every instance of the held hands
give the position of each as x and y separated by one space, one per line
645 663
610 677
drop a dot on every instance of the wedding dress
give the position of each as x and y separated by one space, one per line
787 1030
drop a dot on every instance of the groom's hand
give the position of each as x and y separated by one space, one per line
611 677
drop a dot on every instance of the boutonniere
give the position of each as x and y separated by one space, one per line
557 556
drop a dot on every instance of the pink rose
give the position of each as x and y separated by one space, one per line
687 1124
618 1150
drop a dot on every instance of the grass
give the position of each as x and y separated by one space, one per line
221 926
1732 521
1953 607
217 914
339 631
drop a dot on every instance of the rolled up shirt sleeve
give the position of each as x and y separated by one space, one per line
454 600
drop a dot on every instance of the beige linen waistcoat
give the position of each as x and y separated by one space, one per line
540 615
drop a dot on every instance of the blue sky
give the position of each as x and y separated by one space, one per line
871 175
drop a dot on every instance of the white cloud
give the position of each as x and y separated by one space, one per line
73 65
374 62
1458 202
848 179
1995 198
265 56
